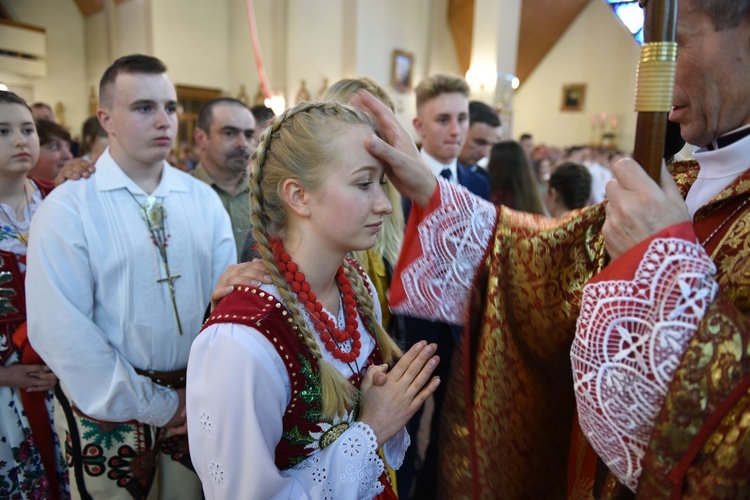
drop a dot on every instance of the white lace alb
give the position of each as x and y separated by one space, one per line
453 238
630 338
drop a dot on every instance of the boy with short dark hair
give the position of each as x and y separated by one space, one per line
121 266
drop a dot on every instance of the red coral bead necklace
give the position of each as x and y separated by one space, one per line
329 333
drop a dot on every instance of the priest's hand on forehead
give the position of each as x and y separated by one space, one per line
396 147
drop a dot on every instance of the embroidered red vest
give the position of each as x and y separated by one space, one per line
304 429
13 293
12 303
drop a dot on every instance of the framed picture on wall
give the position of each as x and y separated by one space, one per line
573 97
401 75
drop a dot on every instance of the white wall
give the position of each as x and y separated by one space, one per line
316 44
317 40
97 47
66 75
596 50
441 51
387 25
192 38
270 20
133 20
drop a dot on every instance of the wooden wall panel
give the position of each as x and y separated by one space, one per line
461 22
543 22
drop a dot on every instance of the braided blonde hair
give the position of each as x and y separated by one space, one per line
298 145
390 238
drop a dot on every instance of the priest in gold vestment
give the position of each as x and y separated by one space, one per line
632 315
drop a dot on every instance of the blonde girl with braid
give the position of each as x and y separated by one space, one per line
289 391
379 260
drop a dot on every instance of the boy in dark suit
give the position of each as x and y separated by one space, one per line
442 123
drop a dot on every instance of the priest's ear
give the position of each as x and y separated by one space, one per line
296 197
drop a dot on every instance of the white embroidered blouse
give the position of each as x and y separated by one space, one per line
238 391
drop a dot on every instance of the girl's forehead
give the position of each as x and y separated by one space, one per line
16 112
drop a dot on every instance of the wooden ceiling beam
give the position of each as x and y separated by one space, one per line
543 22
461 22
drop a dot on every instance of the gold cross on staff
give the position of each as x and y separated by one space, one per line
170 283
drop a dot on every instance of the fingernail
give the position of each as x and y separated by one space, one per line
267 278
229 289
429 350
432 363
419 346
255 283
436 382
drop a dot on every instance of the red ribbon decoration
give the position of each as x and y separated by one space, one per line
256 49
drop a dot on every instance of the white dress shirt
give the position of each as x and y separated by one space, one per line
600 176
95 308
238 391
437 167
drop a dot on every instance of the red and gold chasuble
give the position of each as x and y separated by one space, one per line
508 414
509 403
699 446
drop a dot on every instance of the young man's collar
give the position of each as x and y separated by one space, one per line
109 176
437 166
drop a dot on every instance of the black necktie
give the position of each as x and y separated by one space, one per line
446 174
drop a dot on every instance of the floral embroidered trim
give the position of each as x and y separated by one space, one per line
206 424
368 471
333 434
454 238
330 431
216 472
319 475
630 338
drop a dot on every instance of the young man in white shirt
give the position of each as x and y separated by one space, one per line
120 268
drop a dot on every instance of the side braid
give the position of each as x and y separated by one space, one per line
388 347
583 188
267 216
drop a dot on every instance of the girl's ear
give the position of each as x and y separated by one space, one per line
295 197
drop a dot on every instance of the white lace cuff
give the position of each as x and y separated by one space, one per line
454 238
395 449
630 338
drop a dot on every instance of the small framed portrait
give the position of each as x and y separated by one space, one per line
573 97
401 75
